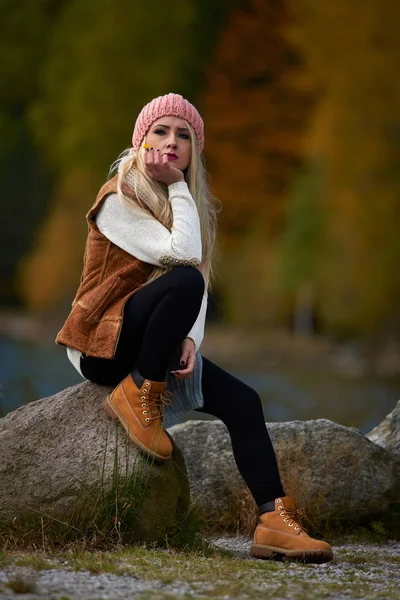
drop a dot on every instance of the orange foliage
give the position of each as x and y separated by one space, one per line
256 104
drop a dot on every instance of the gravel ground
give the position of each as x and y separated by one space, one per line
366 571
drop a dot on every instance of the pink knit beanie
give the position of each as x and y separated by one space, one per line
171 105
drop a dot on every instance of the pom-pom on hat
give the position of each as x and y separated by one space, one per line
170 105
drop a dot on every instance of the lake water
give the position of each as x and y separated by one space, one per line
29 371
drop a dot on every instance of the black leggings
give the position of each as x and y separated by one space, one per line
156 320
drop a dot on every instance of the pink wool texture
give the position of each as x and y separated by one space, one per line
170 105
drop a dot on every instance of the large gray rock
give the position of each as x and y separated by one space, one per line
63 453
387 433
333 471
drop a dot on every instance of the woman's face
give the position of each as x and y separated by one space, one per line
170 135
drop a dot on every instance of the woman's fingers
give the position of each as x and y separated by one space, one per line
148 157
182 374
154 161
190 364
191 360
159 167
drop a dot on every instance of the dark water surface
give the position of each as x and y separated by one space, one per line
29 371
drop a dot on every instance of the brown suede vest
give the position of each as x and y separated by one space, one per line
110 276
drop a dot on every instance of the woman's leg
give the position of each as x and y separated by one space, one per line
156 320
239 407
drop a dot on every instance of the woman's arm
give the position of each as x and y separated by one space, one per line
139 233
191 344
197 331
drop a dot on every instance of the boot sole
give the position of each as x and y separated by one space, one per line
306 556
114 415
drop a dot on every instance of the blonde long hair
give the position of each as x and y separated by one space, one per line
147 187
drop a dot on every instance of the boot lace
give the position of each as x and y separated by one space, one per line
294 515
155 404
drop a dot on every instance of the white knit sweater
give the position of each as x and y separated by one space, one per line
137 232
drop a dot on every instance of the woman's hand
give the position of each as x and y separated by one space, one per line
187 360
160 168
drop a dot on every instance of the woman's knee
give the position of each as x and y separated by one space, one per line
188 279
248 400
228 398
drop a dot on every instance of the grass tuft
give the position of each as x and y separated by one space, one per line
34 561
21 586
186 535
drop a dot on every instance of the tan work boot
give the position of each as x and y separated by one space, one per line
278 535
138 404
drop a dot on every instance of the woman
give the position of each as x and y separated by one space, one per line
137 320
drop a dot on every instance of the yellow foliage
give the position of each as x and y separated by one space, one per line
353 51
51 274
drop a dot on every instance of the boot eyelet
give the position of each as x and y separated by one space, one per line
143 397
146 383
297 528
286 520
290 524
278 500
147 420
145 412
144 404
282 514
280 508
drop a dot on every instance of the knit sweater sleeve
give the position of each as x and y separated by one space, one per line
197 331
137 232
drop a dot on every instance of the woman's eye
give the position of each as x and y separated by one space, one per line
185 136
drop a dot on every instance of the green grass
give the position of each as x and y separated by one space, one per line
21 586
91 535
224 575
34 561
356 572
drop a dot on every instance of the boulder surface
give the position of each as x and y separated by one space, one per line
62 452
332 471
387 433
